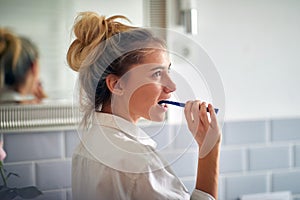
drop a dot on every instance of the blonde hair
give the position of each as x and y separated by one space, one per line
105 46
10 47
17 55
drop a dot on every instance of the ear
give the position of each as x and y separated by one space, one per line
114 85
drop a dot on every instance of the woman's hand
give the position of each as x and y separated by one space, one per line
205 131
38 91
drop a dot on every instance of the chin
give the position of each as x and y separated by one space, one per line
158 120
157 117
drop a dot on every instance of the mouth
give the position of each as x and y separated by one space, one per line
162 104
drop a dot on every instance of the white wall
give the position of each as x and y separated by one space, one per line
255 45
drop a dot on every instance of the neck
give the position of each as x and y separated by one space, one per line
119 112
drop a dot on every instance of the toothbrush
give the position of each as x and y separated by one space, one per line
180 104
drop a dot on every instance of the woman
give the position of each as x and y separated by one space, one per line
123 74
19 70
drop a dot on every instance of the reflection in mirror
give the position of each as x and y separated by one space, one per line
19 70
48 24
44 22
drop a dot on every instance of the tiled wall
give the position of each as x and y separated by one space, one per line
42 159
256 157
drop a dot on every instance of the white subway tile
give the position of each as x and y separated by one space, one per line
297 156
244 132
25 172
53 175
183 138
273 157
286 181
33 146
285 129
72 140
183 163
232 160
52 195
248 184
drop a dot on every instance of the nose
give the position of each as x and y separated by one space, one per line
169 85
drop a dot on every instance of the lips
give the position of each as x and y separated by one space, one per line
161 104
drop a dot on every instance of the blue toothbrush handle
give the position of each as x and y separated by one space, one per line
182 104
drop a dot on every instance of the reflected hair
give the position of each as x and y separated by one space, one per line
17 55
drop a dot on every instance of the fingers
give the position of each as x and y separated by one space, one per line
204 130
197 111
203 115
213 115
187 111
191 110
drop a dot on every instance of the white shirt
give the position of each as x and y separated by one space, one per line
117 160
8 95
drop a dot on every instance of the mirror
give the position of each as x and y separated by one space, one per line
49 24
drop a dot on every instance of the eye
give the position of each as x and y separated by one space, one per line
157 74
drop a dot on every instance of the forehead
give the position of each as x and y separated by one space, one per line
157 57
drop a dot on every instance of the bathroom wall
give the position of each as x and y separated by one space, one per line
255 46
257 156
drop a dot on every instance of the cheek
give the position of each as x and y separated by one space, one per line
145 96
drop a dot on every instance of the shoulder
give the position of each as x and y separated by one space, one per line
115 149
8 95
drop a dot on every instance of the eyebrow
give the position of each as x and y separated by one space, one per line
161 67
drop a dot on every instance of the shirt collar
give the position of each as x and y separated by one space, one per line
130 129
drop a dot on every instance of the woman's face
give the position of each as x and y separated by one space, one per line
148 83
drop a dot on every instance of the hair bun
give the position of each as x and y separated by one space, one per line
90 30
3 43
8 43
